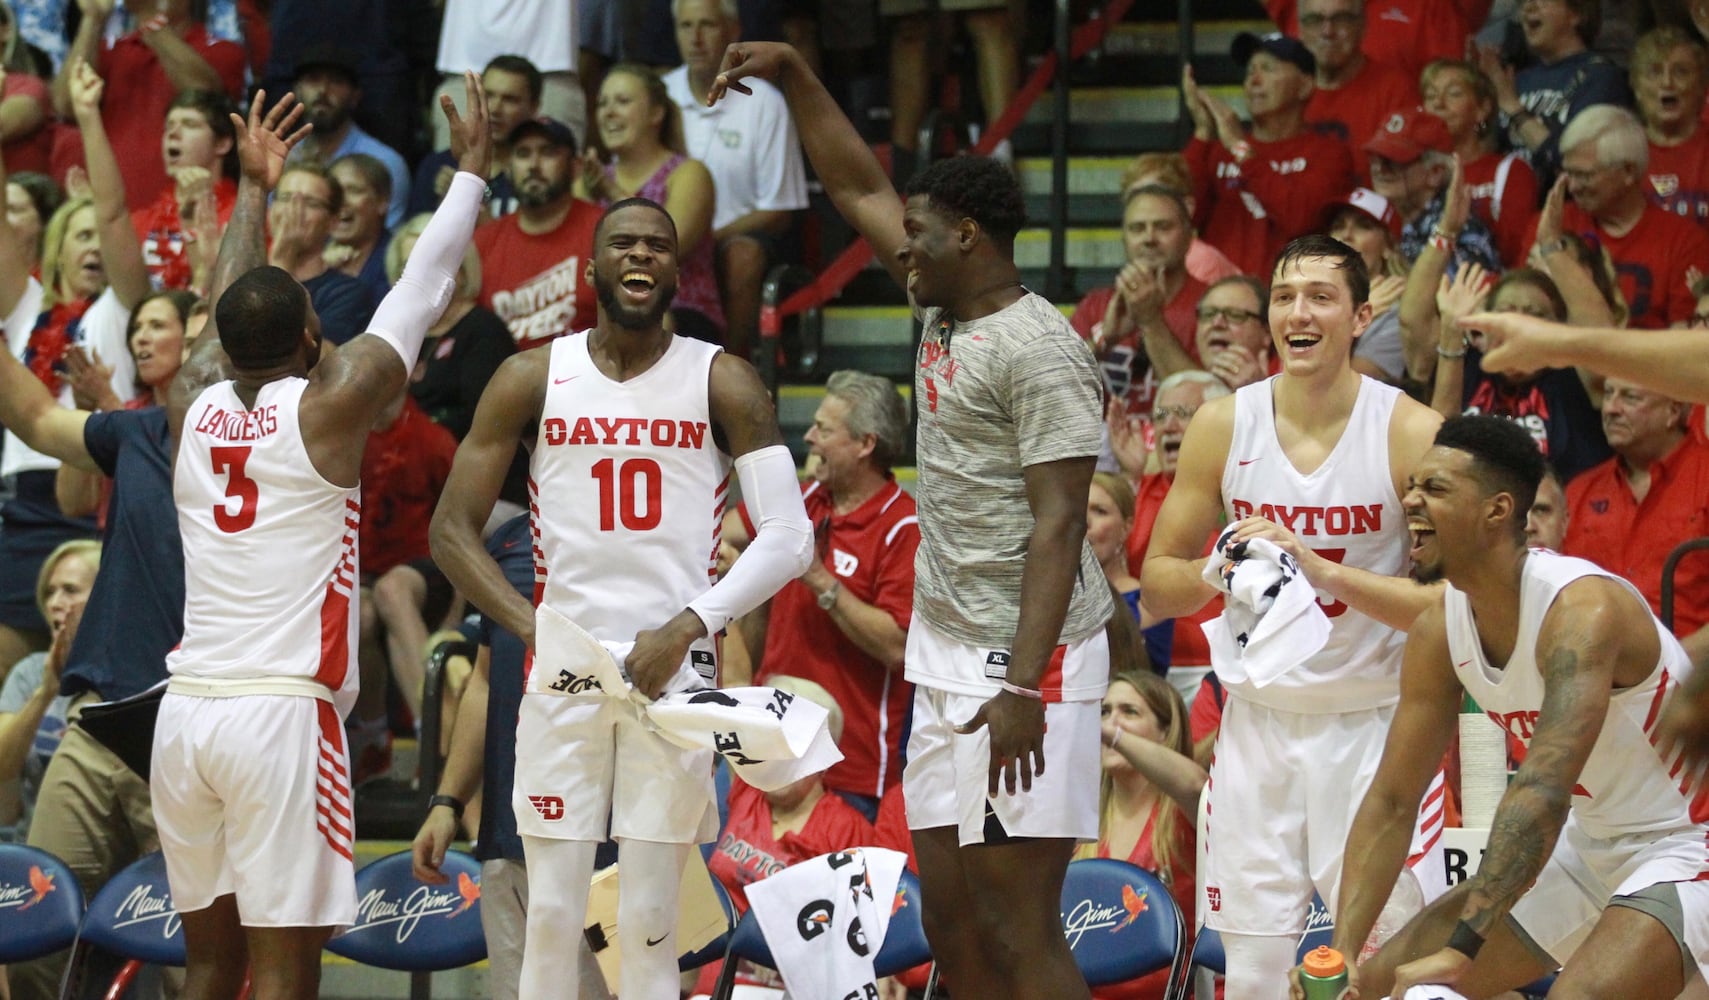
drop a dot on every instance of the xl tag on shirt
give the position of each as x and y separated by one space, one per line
997 665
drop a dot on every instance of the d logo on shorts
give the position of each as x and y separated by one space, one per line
550 807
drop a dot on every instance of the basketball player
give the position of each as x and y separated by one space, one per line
1312 459
1009 602
250 772
1596 859
632 431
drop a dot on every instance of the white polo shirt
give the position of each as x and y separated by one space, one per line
749 144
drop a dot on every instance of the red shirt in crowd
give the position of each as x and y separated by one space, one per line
1608 526
538 284
1190 648
135 113
1405 34
870 550
748 852
1505 198
403 472
1250 211
1355 110
1121 359
1651 260
161 233
1182 888
32 150
1678 177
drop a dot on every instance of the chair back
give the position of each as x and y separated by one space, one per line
41 904
405 924
133 915
1120 920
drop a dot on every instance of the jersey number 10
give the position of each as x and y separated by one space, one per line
621 492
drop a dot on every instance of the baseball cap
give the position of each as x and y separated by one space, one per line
326 55
1289 50
551 128
1407 135
1372 204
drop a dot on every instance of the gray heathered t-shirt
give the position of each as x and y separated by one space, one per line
995 395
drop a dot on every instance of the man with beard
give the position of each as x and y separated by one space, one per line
535 262
1595 862
327 85
625 526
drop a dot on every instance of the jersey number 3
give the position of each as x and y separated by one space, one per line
622 491
240 487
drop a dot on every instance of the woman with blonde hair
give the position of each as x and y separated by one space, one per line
640 129
1148 798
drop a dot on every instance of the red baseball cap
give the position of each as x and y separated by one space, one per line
1407 135
1372 204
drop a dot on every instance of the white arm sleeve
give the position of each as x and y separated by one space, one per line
782 548
424 289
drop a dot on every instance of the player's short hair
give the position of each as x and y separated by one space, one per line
977 188
814 692
520 66
372 170
1618 134
1504 455
876 408
1165 192
1341 256
618 206
261 317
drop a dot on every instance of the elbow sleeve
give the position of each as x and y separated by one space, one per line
782 548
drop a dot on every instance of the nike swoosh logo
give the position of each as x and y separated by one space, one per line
561 381
1246 461
651 943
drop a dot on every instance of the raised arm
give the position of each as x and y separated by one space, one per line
121 254
509 412
1674 363
184 67
85 45
851 174
350 389
782 546
262 143
28 410
1586 643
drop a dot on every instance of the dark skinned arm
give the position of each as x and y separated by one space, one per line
462 776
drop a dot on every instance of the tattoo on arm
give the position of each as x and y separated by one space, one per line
1531 814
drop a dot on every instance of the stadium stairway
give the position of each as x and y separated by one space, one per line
1124 101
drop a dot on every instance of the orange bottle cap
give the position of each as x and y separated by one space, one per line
1323 962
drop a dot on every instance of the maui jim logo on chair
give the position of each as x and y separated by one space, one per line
406 914
1093 915
145 903
997 665
22 897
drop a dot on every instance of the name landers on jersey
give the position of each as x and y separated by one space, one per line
249 425
634 432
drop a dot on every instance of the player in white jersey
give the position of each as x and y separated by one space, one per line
1313 460
250 772
1007 647
1598 856
632 432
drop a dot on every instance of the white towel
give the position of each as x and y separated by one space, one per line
825 919
1271 621
1433 992
770 737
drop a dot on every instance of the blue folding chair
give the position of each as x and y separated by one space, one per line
41 904
1121 922
715 948
404 924
133 917
904 941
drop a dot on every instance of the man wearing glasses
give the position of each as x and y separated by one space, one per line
1604 155
1232 334
1354 94
299 222
1142 327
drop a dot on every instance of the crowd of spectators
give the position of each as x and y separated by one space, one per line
1543 176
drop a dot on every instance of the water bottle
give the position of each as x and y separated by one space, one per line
1323 974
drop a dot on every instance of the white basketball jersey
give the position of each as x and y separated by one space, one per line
269 546
627 490
1345 511
1627 786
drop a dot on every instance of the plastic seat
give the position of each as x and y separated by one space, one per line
134 918
904 941
1121 921
403 923
41 904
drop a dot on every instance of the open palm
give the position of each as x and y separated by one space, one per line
265 140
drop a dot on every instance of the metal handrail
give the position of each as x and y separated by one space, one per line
1679 552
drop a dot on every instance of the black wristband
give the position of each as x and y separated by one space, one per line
1465 940
449 801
